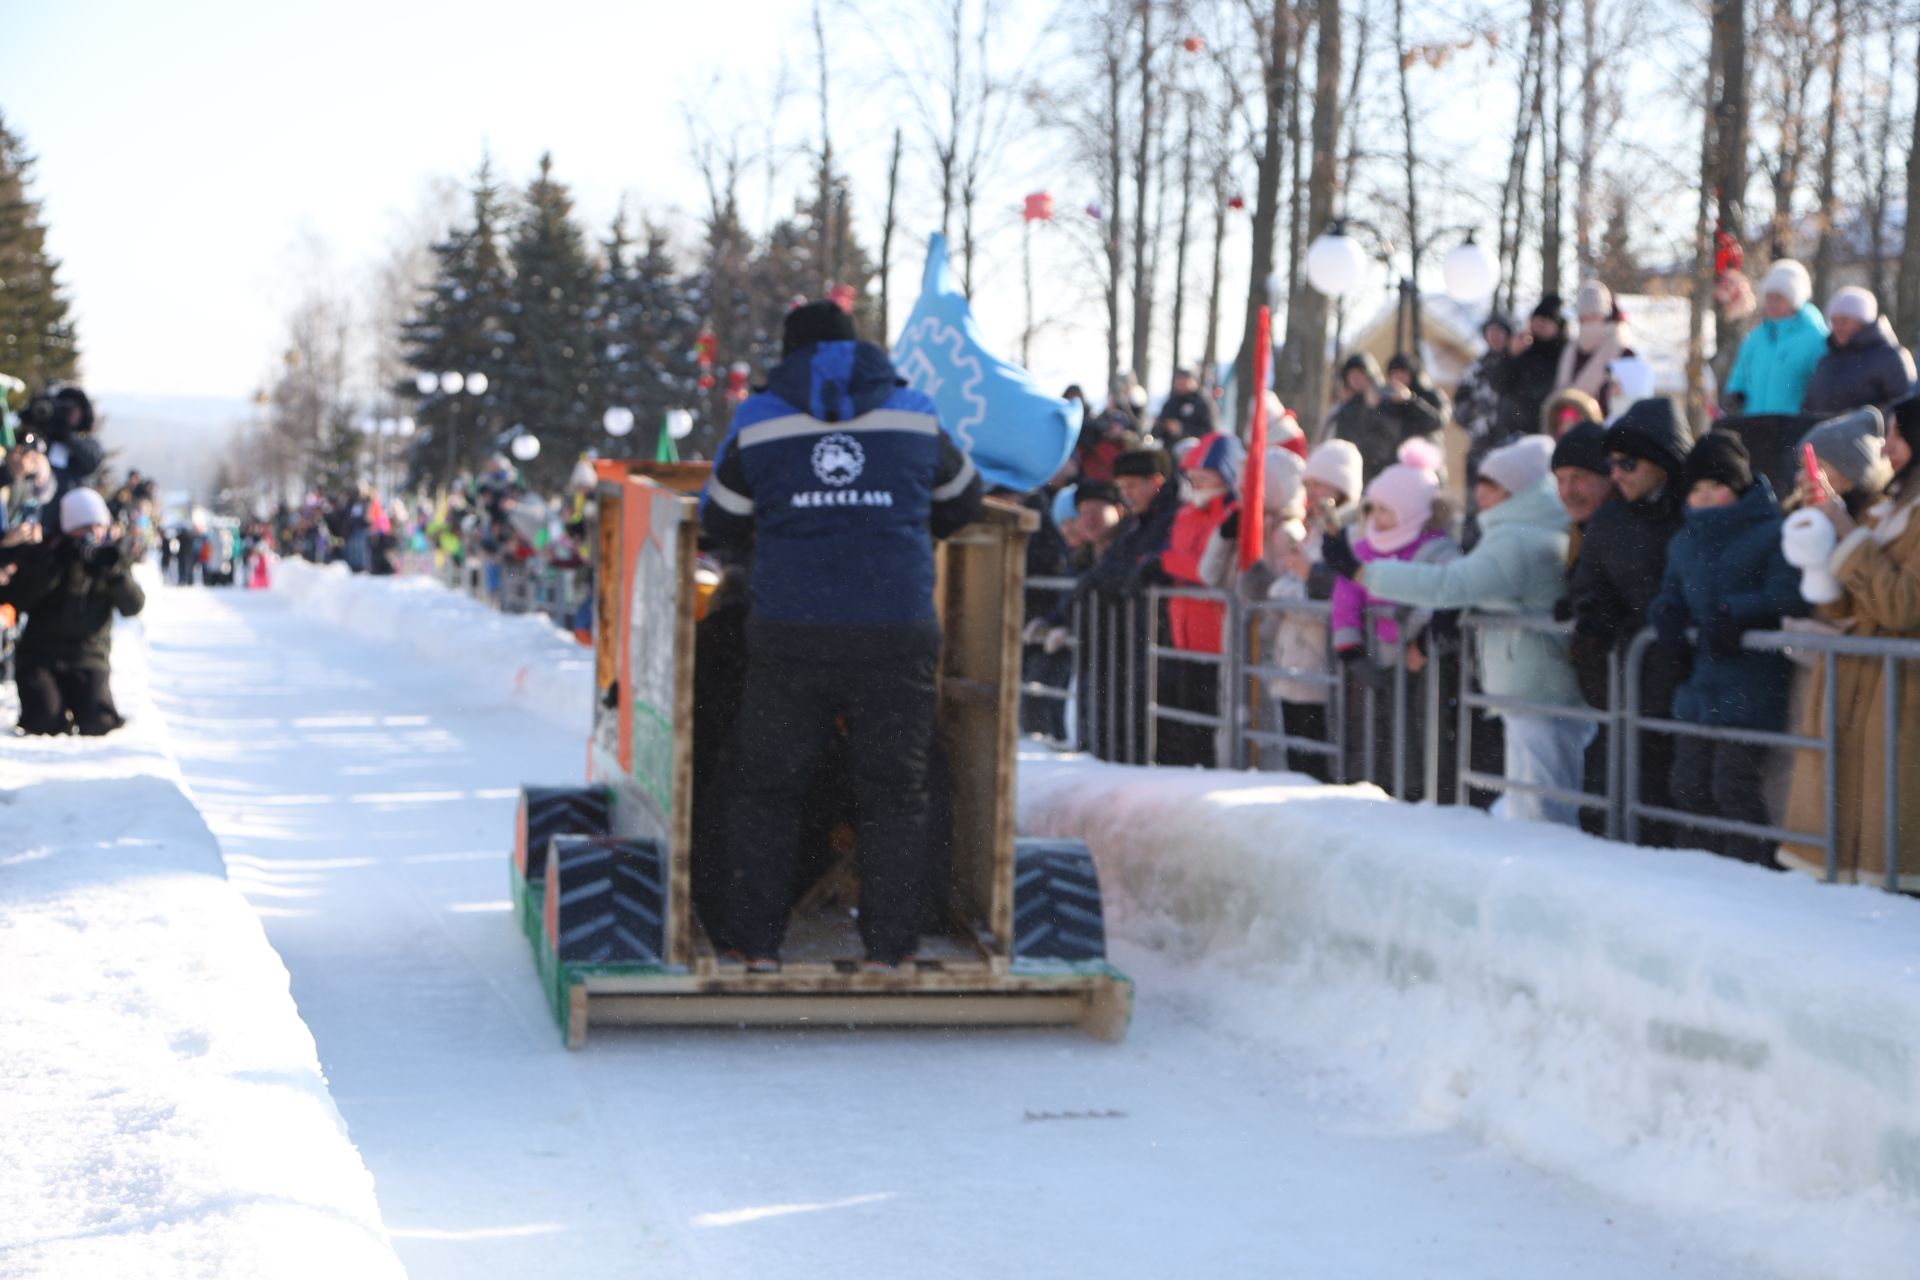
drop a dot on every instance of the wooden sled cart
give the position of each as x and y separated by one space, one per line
609 878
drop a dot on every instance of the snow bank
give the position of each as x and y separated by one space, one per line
519 655
1735 1046
164 1113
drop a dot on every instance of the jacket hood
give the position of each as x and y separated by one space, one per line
1650 430
1537 506
1716 526
835 381
1363 361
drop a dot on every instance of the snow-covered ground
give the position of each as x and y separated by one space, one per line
1369 1041
163 1112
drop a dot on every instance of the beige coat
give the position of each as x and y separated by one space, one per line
1880 570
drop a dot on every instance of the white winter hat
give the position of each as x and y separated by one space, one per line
83 507
1789 280
1281 483
1594 299
1855 302
1337 465
1519 466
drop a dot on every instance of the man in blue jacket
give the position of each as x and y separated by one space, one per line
839 477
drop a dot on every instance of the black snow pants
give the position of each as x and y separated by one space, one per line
879 682
56 698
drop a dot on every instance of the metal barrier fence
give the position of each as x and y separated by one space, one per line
1124 667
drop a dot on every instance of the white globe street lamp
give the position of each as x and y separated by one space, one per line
427 383
476 384
525 446
1335 261
451 383
618 420
1469 271
679 423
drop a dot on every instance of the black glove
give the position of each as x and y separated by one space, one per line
1443 631
1720 634
1670 627
1365 670
1563 609
1337 554
1230 527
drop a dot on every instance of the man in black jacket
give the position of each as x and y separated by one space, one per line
840 477
1379 415
1526 377
70 589
1623 556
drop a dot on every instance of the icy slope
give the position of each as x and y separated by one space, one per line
164 1113
1730 1045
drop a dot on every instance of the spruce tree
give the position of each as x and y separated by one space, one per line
722 294
647 330
37 342
460 327
551 381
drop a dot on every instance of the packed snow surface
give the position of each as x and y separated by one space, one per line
1736 1047
1369 1041
163 1112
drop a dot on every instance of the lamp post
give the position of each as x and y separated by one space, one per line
449 385
1335 261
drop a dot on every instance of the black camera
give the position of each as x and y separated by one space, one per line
58 414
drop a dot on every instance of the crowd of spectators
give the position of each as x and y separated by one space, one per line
66 559
1592 503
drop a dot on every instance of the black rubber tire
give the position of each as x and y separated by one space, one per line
1056 902
612 899
561 811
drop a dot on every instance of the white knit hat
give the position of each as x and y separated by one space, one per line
1519 466
1281 490
83 507
1856 302
1594 299
1789 280
1337 465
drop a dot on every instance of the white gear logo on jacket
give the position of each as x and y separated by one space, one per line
838 459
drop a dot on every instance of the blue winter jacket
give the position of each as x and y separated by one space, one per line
1730 556
1776 359
841 477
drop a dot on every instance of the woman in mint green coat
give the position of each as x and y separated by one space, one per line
1517 567
1776 359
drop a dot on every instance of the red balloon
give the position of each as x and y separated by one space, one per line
1193 44
1039 207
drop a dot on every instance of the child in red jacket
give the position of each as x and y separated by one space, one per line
1211 468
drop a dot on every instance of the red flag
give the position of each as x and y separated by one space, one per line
1253 493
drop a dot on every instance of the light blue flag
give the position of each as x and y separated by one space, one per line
1017 434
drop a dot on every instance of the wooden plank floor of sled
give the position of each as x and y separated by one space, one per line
791 1009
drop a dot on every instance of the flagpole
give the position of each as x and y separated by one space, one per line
1026 263
1253 498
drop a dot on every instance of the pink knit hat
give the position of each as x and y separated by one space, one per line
1408 492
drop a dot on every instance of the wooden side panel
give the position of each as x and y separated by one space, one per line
983 579
679 938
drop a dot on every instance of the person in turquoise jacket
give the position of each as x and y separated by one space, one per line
1776 359
1517 567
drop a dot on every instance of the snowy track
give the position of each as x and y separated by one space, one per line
363 799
